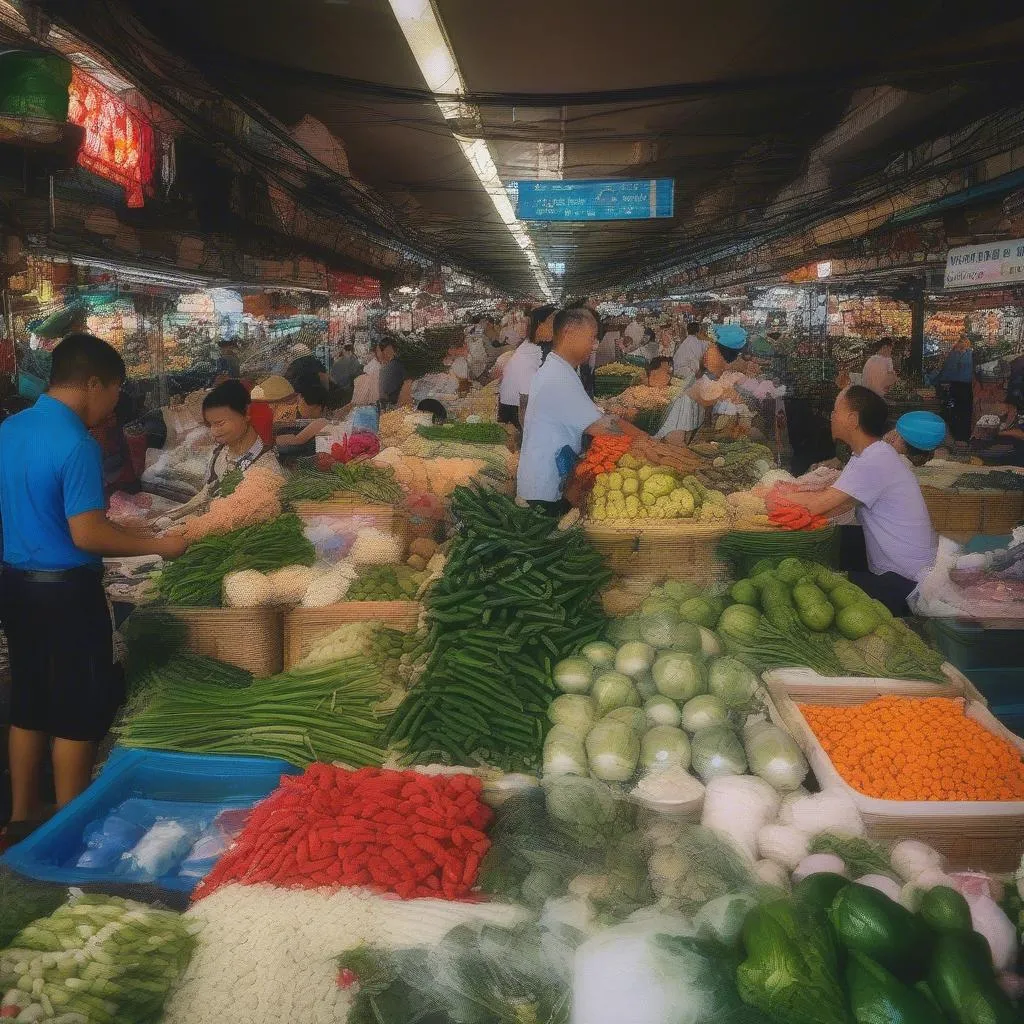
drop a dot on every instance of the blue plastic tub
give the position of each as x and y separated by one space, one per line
153 785
972 647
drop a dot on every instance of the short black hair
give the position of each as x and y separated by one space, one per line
730 355
312 392
657 362
231 394
435 408
871 410
881 343
80 357
572 316
537 317
692 327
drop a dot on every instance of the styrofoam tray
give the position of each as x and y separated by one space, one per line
972 834
806 680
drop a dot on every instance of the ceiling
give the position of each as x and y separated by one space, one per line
732 100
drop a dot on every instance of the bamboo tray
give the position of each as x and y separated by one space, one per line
249 638
670 550
305 627
971 834
389 518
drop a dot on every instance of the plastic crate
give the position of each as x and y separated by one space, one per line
1001 687
1011 716
971 647
209 783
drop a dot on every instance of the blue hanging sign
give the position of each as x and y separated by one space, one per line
606 199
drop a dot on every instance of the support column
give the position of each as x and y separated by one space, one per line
915 359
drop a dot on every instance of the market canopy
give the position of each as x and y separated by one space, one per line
769 116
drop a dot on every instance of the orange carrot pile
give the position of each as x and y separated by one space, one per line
909 748
788 515
603 454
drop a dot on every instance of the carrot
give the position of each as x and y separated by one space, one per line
909 748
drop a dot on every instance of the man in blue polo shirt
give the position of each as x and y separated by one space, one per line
64 682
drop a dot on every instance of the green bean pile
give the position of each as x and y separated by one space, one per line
322 713
465 433
516 596
195 580
369 482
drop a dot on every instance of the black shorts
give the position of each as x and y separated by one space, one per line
61 643
509 414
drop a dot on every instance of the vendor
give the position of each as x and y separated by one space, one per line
659 372
895 545
238 446
278 393
559 413
917 436
514 390
299 438
686 414
689 353
957 379
879 374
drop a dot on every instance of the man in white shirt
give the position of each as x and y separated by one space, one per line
512 333
635 333
879 374
559 412
520 369
899 541
687 359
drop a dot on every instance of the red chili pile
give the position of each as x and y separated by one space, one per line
401 832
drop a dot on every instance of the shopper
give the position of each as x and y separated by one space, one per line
559 413
687 359
229 364
917 435
344 372
237 446
392 373
894 545
65 684
879 374
305 367
298 439
519 371
957 377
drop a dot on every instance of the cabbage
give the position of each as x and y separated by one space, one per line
717 751
741 622
661 711
621 631
665 747
680 591
702 712
613 690
700 610
733 682
564 753
709 641
633 658
573 710
775 757
599 653
687 637
679 676
573 675
659 603
633 717
613 749
645 686
658 627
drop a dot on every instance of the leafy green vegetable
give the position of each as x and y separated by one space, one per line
877 997
861 856
820 889
791 969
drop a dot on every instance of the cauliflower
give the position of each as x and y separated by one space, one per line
246 589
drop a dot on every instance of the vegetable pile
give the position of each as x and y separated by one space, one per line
386 583
602 456
254 499
359 479
401 832
792 612
907 748
465 433
430 476
516 595
196 579
96 959
328 712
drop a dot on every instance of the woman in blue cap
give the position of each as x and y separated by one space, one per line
917 435
687 412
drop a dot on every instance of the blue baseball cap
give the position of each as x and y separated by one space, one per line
729 336
923 430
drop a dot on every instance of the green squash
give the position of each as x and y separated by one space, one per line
945 910
820 889
963 981
877 997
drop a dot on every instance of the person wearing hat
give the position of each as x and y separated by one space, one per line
279 394
305 368
917 435
894 545
686 414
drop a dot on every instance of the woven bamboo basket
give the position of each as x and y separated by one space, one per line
388 518
1001 512
971 834
305 627
954 513
249 638
662 550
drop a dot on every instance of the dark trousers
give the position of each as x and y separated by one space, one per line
509 414
888 587
958 409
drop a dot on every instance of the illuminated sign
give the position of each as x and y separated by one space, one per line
610 199
991 263
118 141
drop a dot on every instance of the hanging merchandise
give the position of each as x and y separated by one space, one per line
118 142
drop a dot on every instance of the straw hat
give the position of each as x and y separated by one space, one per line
273 389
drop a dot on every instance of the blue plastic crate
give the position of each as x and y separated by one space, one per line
972 647
177 783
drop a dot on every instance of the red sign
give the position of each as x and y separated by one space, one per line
352 286
118 142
